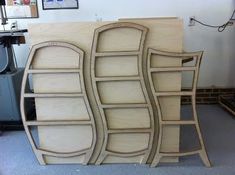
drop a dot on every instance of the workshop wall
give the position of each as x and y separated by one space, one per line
218 66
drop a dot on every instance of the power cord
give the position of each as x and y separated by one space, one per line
220 28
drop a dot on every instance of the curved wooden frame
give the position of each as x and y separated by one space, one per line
40 152
195 69
139 53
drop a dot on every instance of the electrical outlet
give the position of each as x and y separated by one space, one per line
191 21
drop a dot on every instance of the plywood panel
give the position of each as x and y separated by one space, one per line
56 57
119 39
169 143
127 118
79 141
169 107
57 83
166 81
164 34
117 66
129 142
65 160
121 92
116 159
164 61
61 109
80 34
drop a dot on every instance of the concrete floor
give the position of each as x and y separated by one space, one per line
218 127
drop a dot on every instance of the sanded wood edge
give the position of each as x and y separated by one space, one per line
126 78
150 18
39 153
124 105
94 79
184 55
178 122
126 155
147 98
64 155
156 157
119 25
178 154
129 130
88 107
203 154
173 69
172 93
115 53
202 151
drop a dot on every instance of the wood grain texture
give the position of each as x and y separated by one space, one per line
65 122
80 34
164 34
165 121
119 65
61 108
123 118
121 89
59 82
54 57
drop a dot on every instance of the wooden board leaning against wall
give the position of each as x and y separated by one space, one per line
165 34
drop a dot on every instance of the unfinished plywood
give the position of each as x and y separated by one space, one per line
54 135
54 57
80 34
59 82
64 120
161 97
164 34
123 118
73 108
125 143
116 92
122 66
126 91
118 39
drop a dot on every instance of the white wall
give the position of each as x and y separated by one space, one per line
218 66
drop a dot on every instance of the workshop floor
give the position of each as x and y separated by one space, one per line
218 127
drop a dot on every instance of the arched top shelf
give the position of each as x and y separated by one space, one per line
184 55
65 55
119 38
121 25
